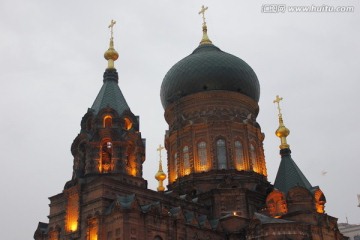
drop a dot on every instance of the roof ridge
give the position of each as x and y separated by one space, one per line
289 175
110 94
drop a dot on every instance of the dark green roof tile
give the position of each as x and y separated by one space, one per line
289 174
110 94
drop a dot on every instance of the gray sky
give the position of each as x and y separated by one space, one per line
51 58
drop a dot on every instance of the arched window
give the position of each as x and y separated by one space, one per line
127 123
186 160
107 121
202 155
221 153
253 158
106 157
239 156
176 160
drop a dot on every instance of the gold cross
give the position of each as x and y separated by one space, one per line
202 11
159 149
111 26
277 100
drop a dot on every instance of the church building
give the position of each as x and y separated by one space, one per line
217 178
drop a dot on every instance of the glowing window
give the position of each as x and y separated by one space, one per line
186 160
106 157
93 229
239 156
253 157
202 155
107 121
127 124
175 165
72 212
221 153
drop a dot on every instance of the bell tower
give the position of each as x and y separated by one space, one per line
108 154
109 141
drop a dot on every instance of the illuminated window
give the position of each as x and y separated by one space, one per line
320 201
176 160
202 154
72 212
239 156
253 157
221 153
93 229
106 157
107 121
127 124
186 160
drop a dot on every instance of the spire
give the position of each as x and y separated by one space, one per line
110 94
160 175
111 55
289 174
282 132
205 39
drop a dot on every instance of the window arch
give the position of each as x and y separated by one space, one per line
202 155
107 121
253 157
106 156
221 153
239 156
127 123
186 160
176 160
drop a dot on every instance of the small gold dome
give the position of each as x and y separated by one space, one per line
112 54
282 131
160 175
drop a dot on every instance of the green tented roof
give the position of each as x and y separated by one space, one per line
289 174
110 95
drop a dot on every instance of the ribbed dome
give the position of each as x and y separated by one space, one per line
209 68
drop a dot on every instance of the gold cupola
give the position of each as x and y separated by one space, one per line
282 132
111 55
160 176
205 39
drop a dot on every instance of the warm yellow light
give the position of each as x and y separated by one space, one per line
239 167
94 237
128 124
107 121
187 171
93 229
234 213
73 226
133 172
72 213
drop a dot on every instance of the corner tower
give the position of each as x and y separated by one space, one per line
108 156
211 103
109 141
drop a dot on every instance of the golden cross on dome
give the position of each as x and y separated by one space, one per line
277 101
159 149
202 11
111 26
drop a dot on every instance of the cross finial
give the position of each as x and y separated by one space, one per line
277 101
111 26
159 149
202 11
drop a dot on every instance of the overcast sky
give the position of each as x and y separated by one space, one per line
51 62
